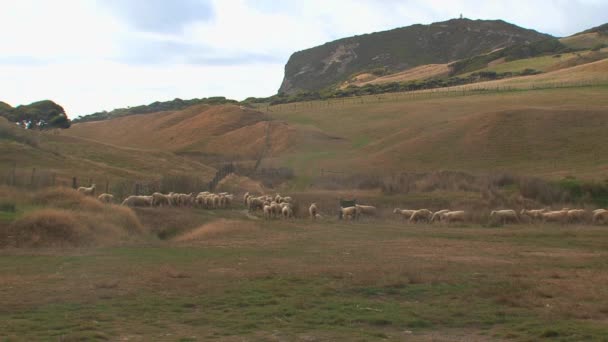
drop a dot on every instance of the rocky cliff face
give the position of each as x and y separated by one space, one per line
398 50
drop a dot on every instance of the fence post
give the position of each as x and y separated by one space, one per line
74 183
107 186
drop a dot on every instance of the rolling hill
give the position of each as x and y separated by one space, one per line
400 49
63 157
202 132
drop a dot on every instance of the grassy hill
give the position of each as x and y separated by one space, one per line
550 133
400 49
203 132
63 157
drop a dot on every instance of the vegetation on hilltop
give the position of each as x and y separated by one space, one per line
400 49
38 115
154 107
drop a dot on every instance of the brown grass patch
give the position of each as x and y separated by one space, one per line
70 219
50 228
217 229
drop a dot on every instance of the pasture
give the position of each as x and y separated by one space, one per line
223 275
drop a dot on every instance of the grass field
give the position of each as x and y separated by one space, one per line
549 133
238 279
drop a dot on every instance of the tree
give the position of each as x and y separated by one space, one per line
40 115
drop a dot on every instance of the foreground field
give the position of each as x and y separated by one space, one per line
236 279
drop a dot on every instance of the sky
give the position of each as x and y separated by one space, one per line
94 55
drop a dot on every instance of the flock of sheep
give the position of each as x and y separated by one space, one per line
565 215
206 199
285 207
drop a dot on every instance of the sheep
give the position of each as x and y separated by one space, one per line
106 198
535 214
90 191
577 215
286 199
186 200
422 214
287 212
245 198
255 203
437 215
229 198
600 216
313 211
504 215
452 216
158 200
138 201
405 213
366 209
555 216
276 208
267 211
352 212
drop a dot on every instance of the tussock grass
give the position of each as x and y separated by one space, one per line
62 217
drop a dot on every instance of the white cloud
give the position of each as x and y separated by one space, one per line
91 55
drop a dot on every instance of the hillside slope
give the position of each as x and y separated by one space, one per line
204 132
67 157
548 133
400 49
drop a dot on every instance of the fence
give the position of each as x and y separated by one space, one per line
455 91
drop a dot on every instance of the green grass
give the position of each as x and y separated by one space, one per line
366 281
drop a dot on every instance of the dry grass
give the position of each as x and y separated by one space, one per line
68 218
418 73
217 229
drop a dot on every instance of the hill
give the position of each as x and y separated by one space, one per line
203 132
400 49
154 107
57 158
549 133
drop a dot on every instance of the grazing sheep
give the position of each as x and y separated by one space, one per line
313 210
577 215
229 198
287 212
286 199
369 210
90 191
159 200
421 215
106 198
267 211
453 216
352 212
138 201
556 216
245 198
405 213
255 204
437 215
504 216
535 214
600 216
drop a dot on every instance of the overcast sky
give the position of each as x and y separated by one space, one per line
92 55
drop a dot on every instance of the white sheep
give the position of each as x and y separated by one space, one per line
437 215
313 211
453 216
267 211
106 198
556 216
577 215
535 214
369 210
255 203
138 201
159 200
600 216
504 216
352 212
421 215
287 212
405 213
245 198
90 191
